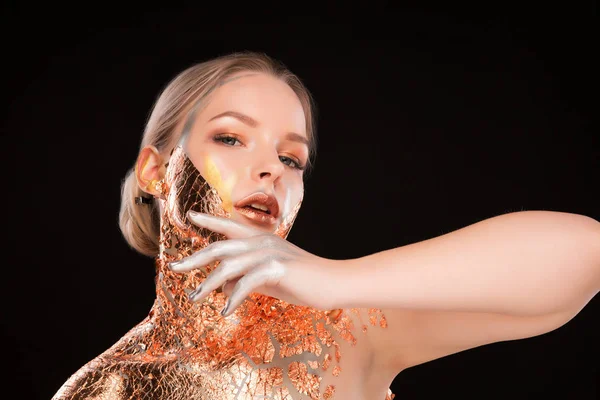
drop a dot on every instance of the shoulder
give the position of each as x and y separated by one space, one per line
96 379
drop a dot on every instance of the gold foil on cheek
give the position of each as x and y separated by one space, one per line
187 190
266 349
223 188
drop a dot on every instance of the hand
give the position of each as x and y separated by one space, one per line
255 262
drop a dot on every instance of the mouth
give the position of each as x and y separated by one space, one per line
260 208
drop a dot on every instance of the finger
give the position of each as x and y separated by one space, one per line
261 276
229 269
227 288
230 248
213 252
231 229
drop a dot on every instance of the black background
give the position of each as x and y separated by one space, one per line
429 120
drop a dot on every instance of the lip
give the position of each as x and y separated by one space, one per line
257 216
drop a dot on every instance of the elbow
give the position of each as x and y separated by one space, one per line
581 256
581 278
590 257
568 253
589 230
595 247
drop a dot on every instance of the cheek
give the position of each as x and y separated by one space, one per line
221 178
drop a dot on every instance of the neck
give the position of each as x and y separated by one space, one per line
184 324
176 315
175 323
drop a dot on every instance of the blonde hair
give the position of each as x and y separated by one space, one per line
140 224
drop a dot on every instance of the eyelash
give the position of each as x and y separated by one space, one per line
221 137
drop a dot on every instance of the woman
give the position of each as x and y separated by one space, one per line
242 313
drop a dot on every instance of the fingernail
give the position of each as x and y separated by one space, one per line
195 293
177 265
225 309
192 213
173 265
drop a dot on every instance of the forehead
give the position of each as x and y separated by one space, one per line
266 99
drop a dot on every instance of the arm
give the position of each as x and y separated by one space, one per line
524 264
509 277
513 276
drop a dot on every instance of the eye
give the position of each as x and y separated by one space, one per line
291 162
228 140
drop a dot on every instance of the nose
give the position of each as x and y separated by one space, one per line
268 169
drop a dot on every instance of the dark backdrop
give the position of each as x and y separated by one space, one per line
429 120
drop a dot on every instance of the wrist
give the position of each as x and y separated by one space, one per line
346 283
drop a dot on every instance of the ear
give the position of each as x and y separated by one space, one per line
149 167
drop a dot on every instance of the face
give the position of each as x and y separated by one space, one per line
249 142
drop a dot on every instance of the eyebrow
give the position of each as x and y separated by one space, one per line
294 137
239 116
251 122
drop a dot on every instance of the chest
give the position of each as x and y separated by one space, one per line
300 358
302 369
